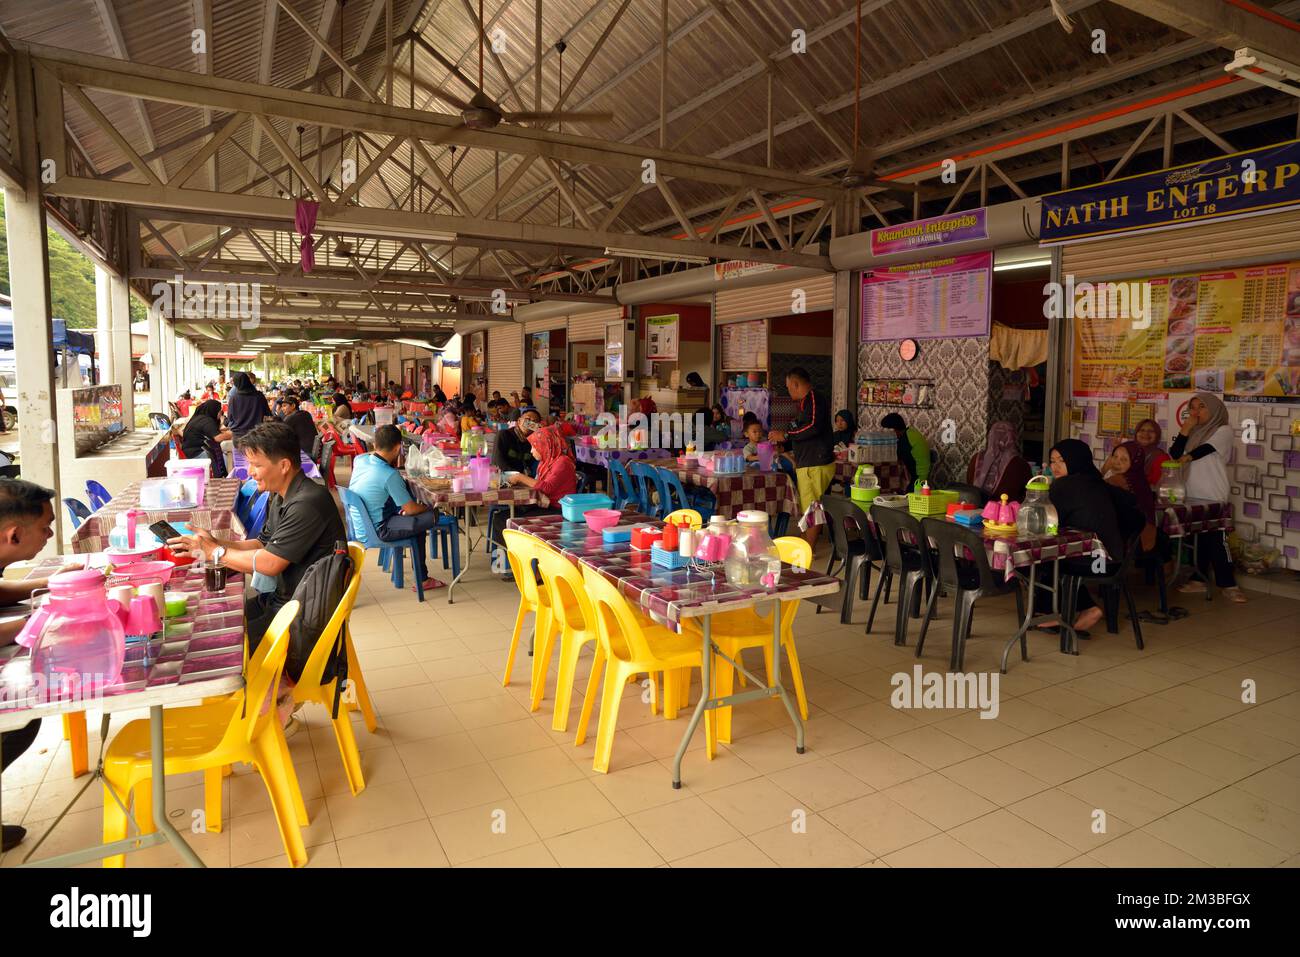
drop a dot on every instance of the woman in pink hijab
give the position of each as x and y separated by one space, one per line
999 469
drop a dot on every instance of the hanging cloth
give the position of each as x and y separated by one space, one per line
1017 348
304 220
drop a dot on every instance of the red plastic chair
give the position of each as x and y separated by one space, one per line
341 448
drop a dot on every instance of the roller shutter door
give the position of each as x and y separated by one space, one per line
773 299
505 358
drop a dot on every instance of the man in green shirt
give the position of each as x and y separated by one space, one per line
913 449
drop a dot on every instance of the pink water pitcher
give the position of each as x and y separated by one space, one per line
76 637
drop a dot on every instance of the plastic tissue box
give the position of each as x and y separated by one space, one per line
574 507
160 493
643 536
666 558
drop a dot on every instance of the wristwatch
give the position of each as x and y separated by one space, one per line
218 553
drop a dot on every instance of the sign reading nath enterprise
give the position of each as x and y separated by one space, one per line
1242 184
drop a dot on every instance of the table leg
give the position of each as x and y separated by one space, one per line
776 680
465 554
1025 625
706 690
1071 643
161 820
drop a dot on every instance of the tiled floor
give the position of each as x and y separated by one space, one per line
1112 758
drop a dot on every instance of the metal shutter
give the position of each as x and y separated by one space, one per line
505 358
546 325
773 299
590 326
1254 239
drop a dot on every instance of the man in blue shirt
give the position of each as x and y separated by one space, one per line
378 483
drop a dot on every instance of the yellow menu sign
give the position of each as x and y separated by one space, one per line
1235 332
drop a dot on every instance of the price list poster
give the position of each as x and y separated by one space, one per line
937 299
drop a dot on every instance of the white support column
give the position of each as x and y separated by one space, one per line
155 359
29 286
120 333
166 365
104 327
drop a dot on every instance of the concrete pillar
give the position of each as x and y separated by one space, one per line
29 286
104 326
155 359
120 333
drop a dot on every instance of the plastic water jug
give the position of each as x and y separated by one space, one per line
1173 487
76 637
480 470
766 452
1037 516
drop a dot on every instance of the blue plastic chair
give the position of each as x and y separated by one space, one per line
97 494
621 489
673 495
240 473
244 501
257 516
369 535
77 511
643 481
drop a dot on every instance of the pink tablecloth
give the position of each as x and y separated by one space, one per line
513 495
217 514
772 492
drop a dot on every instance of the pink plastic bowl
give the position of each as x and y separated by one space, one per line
599 519
141 573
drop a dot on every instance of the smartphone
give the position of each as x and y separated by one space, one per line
164 531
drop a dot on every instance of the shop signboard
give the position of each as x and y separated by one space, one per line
926 233
734 269
1242 184
1235 332
936 299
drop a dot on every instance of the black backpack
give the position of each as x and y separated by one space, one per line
318 595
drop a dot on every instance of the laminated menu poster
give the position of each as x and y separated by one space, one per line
1235 332
744 346
937 299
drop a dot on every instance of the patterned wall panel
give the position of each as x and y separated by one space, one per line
960 370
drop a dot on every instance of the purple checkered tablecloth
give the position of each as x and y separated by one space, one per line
669 596
772 492
1010 552
593 455
213 649
446 498
216 514
1193 517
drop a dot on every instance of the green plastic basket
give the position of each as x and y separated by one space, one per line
936 503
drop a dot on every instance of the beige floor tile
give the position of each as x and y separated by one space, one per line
1044 761
568 807
939 800
1083 826
461 666
1277 784
1010 841
683 828
879 765
442 753
931 747
1141 849
1222 764
478 832
1127 726
415 697
1168 777
444 792
753 805
612 844
1118 795
982 734
1239 740
1257 816
530 855
1088 743
398 676
641 786
378 806
379 765
1019 715
740 853
940 850
536 770
469 688
406 845
879 824
253 835
1216 843
408 726
770 751
880 719
813 843
1068 704
819 785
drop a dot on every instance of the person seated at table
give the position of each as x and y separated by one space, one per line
1147 434
302 526
1085 501
556 477
844 428
713 433
512 451
302 424
246 408
913 449
754 433
209 392
203 426
395 514
26 524
999 469
1203 445
1125 468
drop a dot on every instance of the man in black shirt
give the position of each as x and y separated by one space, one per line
812 436
245 406
302 424
302 525
512 452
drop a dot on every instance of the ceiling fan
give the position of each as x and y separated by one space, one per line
481 112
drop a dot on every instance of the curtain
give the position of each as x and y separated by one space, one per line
1017 348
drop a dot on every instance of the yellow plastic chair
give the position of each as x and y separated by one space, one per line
689 514
232 729
519 551
734 631
576 621
629 643
74 732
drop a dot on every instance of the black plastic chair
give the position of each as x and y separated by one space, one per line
963 567
907 558
10 471
854 545
968 494
1116 581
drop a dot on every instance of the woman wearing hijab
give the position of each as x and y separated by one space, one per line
246 407
1203 445
1084 500
1126 469
203 425
846 428
999 468
1147 434
556 477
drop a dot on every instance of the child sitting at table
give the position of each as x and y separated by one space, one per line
754 433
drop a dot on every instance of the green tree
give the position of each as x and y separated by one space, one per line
72 279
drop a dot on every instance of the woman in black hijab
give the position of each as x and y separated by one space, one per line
1084 500
204 424
846 428
245 406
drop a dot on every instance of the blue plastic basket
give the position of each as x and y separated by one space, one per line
667 558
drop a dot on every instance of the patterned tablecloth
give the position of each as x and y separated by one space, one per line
592 455
213 649
772 492
217 514
1195 516
1010 552
669 596
446 498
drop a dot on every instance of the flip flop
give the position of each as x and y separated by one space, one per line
1153 618
1177 612
432 584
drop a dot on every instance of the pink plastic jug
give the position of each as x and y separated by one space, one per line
480 470
765 455
78 642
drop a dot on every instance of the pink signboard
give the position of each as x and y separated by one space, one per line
925 233
937 299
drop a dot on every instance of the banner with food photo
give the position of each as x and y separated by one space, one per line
1234 332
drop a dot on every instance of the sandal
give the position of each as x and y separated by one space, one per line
1178 611
1235 594
1192 588
1154 618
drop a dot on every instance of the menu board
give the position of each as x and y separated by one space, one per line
744 345
1235 332
936 299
